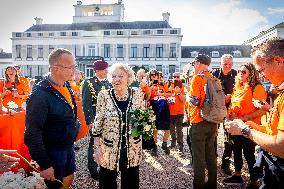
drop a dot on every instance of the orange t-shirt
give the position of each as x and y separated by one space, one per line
276 117
162 88
178 107
196 89
241 101
21 89
65 92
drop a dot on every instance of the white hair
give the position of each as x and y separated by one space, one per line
124 67
226 56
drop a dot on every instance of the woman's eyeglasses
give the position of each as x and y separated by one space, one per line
175 76
242 72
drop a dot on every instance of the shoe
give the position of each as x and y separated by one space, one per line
234 180
165 148
154 151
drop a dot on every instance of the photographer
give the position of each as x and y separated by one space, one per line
157 93
12 88
177 111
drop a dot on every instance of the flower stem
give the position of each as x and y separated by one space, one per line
25 160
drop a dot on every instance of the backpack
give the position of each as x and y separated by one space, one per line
213 109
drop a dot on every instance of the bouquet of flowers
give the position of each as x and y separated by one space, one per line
20 180
143 123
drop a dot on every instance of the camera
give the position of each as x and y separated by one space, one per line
177 83
10 88
155 82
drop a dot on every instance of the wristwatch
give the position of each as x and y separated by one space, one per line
246 131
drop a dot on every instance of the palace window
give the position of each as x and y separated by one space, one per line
18 51
29 51
40 51
214 54
159 50
146 51
160 31
173 31
119 33
133 53
119 51
173 50
106 32
107 50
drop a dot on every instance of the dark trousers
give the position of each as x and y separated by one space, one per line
203 136
129 178
228 149
270 170
176 129
245 145
92 165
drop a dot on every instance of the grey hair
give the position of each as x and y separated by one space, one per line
56 54
124 67
226 56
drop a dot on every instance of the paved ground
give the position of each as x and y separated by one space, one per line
165 171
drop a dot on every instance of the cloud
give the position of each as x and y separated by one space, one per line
278 10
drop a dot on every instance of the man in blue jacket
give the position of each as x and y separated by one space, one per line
90 91
51 122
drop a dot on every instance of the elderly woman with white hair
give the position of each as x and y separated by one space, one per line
115 148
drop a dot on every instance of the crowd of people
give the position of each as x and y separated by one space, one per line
254 121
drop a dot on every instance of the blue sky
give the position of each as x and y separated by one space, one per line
203 22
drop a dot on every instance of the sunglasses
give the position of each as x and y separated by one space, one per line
242 72
175 76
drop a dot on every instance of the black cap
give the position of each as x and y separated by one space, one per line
203 59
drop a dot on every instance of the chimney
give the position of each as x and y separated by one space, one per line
79 2
38 21
166 16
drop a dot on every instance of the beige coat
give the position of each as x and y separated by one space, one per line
108 126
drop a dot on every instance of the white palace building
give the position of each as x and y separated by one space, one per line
99 30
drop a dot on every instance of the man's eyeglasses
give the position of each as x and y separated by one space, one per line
242 71
175 76
74 67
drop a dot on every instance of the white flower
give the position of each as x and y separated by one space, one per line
147 128
12 105
153 118
9 180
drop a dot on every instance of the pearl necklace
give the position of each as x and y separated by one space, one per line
123 98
